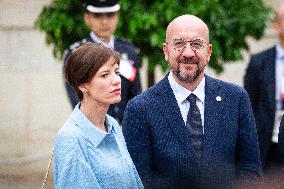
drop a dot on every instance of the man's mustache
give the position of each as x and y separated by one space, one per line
186 60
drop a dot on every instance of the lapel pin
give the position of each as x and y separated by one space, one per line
218 98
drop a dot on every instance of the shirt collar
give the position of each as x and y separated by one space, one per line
90 131
182 93
96 39
279 51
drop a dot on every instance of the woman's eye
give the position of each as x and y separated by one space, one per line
104 75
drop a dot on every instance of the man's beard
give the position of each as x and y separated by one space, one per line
184 75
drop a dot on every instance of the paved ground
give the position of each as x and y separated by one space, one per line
34 181
24 182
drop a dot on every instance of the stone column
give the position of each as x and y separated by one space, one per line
33 101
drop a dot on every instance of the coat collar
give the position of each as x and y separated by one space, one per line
90 131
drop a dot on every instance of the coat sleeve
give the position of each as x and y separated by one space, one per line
250 168
71 169
76 174
138 140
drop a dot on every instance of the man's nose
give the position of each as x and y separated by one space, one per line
188 51
105 19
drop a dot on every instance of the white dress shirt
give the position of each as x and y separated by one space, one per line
95 38
279 71
182 93
279 77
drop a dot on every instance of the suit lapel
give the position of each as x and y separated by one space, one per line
212 113
172 113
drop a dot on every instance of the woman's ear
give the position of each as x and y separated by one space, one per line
82 87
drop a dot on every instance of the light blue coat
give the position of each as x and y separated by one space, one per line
87 157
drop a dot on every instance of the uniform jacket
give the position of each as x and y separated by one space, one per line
159 143
260 84
129 89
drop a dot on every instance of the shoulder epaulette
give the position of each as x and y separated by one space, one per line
74 45
78 44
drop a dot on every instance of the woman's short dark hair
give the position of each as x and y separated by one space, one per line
84 62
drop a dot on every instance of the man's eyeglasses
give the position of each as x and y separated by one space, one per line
196 44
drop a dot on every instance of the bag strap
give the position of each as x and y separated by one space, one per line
47 171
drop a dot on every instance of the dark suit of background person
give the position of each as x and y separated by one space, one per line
263 84
281 143
130 84
156 134
281 154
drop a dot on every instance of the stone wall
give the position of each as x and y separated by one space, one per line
32 98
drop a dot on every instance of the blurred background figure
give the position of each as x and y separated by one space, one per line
281 144
264 81
90 151
102 18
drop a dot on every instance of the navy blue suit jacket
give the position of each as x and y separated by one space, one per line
161 149
260 83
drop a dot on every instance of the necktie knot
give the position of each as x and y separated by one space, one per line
192 99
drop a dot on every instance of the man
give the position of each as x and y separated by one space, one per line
175 143
264 82
102 17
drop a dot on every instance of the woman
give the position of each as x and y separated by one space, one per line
90 151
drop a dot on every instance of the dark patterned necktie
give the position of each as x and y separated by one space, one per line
194 124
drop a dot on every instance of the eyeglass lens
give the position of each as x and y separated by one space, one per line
180 44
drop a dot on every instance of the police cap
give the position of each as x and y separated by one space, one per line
102 6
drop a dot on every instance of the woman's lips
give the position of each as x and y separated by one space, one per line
116 91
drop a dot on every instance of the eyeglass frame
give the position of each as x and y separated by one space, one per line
190 42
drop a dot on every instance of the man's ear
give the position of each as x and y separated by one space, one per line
166 51
209 51
87 18
277 28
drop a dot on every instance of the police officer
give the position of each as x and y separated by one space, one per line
101 17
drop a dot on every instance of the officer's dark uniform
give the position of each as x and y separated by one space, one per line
129 89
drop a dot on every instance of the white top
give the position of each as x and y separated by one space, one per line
279 72
279 77
98 40
182 93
